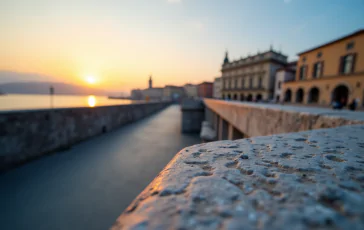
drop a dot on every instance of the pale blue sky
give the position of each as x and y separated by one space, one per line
178 41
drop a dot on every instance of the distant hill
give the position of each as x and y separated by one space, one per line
43 88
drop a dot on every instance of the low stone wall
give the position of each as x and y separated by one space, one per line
254 119
25 135
305 180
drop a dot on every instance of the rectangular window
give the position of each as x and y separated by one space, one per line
317 69
303 72
350 45
243 83
229 83
250 82
236 83
347 64
279 84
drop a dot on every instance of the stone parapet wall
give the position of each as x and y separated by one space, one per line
254 119
25 135
305 180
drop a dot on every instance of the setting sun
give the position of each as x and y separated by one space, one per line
91 100
91 79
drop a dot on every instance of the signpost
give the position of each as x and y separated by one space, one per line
51 92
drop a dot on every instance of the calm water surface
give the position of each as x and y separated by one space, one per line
89 185
25 102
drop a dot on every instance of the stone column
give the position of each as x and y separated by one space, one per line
293 95
230 132
219 131
223 133
306 97
216 123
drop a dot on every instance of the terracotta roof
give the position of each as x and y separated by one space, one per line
334 41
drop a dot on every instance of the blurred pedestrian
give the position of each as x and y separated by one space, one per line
353 105
337 105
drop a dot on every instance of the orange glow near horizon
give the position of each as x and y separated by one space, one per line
91 100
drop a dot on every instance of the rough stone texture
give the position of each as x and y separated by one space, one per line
248 117
25 135
305 180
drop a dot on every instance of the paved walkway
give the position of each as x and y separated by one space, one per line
347 114
88 186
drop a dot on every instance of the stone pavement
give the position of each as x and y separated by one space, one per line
306 180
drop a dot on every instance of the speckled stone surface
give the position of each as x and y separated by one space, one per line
306 180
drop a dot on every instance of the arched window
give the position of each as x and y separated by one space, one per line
299 95
288 95
341 94
242 97
249 98
314 95
258 97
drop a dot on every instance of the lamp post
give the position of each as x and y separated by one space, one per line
51 92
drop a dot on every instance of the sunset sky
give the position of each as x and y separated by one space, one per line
116 44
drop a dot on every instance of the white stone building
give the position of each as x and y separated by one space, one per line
283 75
191 90
155 94
217 88
174 93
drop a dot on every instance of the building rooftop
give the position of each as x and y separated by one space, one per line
259 57
332 42
156 88
205 82
172 86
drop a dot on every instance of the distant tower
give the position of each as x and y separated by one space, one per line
150 82
226 59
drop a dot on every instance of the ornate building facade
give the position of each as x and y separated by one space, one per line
251 78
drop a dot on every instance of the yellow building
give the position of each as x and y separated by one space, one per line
330 72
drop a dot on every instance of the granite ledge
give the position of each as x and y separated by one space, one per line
306 180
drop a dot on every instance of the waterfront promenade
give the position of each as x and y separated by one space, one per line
88 186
